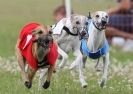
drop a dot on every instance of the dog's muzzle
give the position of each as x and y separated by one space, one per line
104 23
100 26
83 34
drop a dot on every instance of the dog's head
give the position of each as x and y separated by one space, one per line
42 36
100 19
79 24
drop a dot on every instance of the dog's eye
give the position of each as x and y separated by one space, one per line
86 23
77 22
40 32
97 16
106 16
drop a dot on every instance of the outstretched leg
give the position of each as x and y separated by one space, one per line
22 64
79 62
81 74
26 72
42 74
105 69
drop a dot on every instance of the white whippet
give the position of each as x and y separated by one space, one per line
67 33
96 45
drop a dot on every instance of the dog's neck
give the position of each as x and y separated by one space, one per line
69 25
96 38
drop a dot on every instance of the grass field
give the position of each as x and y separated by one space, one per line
16 13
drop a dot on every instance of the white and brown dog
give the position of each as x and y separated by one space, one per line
36 49
96 46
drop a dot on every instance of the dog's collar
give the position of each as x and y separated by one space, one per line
68 31
43 63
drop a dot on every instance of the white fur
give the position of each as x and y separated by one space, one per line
71 43
68 42
96 40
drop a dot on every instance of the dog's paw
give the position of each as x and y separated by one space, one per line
46 84
102 83
84 85
28 84
54 71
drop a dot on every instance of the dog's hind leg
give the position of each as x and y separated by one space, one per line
97 65
64 59
105 69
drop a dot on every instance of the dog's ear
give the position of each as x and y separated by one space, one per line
37 31
94 15
42 29
89 16
72 17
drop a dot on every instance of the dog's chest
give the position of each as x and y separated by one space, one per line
41 53
96 40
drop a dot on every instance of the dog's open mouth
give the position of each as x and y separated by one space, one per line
101 25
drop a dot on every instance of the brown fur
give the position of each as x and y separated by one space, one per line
28 75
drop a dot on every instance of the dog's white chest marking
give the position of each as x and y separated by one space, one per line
96 38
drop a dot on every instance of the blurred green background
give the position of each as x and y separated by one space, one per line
14 14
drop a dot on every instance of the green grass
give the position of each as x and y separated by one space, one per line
64 84
14 14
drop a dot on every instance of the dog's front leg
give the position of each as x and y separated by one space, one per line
22 64
84 61
42 74
64 59
81 74
49 76
105 69
79 62
31 73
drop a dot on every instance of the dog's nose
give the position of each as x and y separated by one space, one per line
104 22
47 40
83 33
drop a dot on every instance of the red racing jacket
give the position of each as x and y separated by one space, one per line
25 46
